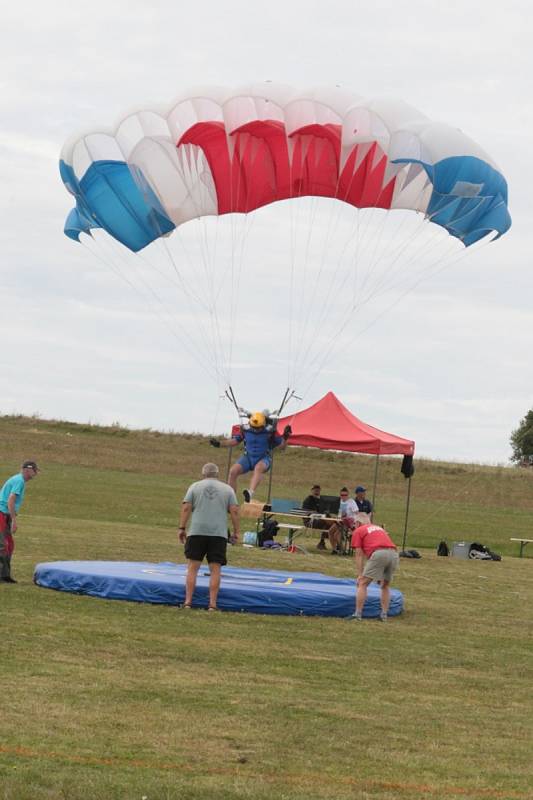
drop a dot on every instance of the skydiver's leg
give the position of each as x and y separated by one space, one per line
234 473
257 475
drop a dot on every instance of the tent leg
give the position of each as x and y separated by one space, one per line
270 472
406 512
230 450
375 484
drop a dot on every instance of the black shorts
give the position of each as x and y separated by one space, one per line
214 547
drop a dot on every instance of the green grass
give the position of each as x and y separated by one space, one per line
109 700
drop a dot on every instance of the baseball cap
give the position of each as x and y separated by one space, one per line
359 489
30 465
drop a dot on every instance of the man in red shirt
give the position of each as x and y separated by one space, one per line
373 544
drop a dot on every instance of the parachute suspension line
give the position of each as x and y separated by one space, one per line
208 260
318 310
195 307
305 301
358 297
246 223
321 354
337 206
150 298
441 263
162 244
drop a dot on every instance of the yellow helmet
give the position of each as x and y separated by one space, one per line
258 420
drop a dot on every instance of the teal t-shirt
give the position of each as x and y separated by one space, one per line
210 500
15 485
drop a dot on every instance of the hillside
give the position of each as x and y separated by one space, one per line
117 474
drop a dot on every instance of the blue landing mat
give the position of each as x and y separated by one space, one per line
254 590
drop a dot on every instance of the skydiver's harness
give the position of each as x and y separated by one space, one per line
271 440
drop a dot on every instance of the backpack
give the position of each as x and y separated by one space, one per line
443 549
267 532
482 553
409 554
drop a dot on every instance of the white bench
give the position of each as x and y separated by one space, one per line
523 543
292 529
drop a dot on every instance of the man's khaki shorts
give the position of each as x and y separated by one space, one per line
382 564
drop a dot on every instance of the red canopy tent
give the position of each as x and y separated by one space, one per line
329 425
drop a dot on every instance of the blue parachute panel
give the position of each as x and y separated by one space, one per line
253 590
109 197
469 197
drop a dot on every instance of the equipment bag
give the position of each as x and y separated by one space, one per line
267 532
443 549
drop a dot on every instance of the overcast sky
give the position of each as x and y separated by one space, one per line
448 365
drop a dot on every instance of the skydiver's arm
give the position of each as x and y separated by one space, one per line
224 442
229 442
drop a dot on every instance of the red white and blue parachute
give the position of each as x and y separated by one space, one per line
214 152
327 203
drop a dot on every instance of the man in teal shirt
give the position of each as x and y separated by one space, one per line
207 504
11 497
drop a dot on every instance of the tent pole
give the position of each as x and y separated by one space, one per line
230 450
406 513
375 483
271 470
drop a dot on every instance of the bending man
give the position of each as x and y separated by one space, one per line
373 545
260 439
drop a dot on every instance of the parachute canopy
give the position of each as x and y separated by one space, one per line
215 151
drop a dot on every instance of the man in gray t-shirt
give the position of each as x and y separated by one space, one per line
207 504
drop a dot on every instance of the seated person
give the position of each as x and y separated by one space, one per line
312 503
347 513
363 505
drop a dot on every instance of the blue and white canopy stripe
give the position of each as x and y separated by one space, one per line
149 174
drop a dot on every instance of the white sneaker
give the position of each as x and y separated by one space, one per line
383 616
356 617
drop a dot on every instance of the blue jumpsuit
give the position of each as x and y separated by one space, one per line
258 446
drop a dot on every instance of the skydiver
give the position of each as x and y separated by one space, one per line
260 439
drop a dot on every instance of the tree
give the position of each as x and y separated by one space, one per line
522 440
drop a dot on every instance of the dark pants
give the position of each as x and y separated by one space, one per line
7 545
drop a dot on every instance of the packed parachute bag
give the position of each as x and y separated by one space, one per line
482 553
267 533
443 549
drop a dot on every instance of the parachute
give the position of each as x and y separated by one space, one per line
331 162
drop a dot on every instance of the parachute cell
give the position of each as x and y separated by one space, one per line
218 152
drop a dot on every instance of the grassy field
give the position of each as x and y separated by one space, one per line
110 700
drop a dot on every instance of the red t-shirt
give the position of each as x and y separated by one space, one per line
371 537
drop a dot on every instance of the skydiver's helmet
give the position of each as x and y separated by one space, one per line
257 420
